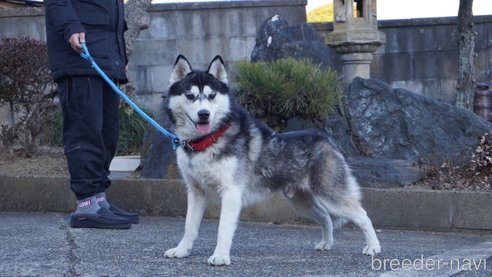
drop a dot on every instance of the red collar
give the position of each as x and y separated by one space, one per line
203 143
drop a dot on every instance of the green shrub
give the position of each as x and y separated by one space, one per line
287 88
132 129
54 135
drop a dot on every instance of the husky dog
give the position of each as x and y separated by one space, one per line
228 157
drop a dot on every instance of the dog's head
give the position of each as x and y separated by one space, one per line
198 101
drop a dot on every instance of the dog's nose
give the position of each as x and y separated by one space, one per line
203 115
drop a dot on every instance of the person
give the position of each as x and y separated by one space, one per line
89 106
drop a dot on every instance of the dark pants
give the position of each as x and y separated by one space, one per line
90 132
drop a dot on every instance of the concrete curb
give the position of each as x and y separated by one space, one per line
390 208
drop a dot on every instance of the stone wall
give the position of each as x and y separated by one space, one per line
200 31
421 55
23 22
197 30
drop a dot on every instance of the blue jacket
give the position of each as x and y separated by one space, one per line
103 23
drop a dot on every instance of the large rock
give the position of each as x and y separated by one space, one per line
158 157
275 40
381 122
381 173
383 131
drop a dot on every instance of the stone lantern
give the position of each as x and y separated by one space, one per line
355 36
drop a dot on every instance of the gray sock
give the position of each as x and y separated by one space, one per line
101 200
87 206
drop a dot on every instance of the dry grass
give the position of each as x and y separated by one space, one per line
473 176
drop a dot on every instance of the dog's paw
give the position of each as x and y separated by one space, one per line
323 245
177 253
372 250
219 260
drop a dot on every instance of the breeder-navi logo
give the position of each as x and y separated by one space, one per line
428 264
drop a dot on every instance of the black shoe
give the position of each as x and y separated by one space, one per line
104 219
132 217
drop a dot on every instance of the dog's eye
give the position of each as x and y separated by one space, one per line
211 96
190 96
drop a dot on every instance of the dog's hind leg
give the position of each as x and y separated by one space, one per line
308 206
354 212
197 202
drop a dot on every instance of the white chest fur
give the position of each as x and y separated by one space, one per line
207 173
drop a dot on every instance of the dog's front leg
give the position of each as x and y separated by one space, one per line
197 202
229 214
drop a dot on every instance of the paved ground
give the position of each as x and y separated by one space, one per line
42 244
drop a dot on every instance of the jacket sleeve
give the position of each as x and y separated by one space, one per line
64 18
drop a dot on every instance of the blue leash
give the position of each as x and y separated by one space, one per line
175 140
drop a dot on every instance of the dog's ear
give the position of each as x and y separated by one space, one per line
181 68
217 69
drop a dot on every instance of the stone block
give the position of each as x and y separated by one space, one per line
201 51
153 53
162 26
23 26
240 48
402 208
36 194
142 79
409 208
431 88
488 37
237 19
483 62
151 197
472 210
445 38
160 77
428 65
448 90
480 38
151 102
393 67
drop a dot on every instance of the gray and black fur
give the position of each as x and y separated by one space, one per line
249 162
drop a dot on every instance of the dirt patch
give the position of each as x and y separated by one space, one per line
50 162
451 177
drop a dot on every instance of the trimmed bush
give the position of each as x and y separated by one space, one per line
287 88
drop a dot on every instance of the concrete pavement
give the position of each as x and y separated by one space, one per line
41 244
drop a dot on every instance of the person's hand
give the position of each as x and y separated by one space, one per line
76 41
